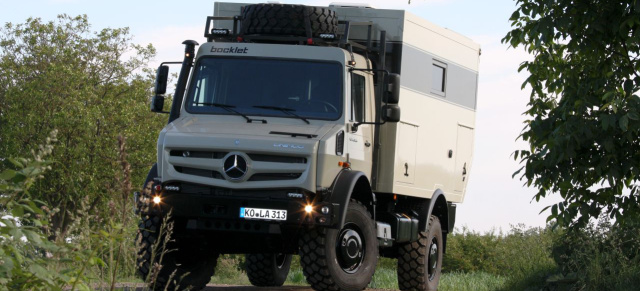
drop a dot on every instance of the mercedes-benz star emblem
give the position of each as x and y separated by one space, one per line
235 166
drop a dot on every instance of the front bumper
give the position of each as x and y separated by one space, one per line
205 208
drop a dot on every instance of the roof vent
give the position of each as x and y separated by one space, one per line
350 5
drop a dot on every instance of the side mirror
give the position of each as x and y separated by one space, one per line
157 103
392 96
391 113
162 75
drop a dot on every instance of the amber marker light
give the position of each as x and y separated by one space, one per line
157 199
344 164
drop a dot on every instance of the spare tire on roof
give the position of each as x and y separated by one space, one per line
287 19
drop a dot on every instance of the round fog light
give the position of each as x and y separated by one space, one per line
325 209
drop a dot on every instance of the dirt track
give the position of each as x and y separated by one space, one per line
213 287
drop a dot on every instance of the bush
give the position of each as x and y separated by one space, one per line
523 255
28 260
599 257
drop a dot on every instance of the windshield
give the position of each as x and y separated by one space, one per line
267 87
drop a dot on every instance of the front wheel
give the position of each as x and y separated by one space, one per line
420 262
343 259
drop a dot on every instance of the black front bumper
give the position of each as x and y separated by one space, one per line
213 214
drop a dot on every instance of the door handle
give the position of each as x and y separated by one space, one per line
367 144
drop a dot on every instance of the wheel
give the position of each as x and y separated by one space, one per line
147 190
420 262
268 270
182 265
343 259
287 19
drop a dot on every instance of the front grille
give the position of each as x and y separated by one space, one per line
197 154
274 176
263 167
199 172
277 159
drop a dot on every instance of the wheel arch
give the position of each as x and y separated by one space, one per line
351 185
437 206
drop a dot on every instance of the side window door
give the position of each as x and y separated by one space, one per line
358 89
360 141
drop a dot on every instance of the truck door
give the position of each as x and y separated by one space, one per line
464 150
360 140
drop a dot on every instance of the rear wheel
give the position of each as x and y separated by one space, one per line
343 259
268 270
420 262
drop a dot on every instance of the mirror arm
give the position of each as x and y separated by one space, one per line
354 126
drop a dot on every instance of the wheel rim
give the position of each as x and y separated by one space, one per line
433 259
350 248
280 260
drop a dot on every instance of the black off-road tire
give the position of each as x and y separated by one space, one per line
322 263
267 270
287 19
420 262
185 266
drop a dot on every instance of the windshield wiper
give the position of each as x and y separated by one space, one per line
228 108
288 111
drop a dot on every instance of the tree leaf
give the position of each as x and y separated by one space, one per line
624 123
7 174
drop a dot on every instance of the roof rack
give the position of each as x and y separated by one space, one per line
342 39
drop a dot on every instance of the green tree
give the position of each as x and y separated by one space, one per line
583 112
91 87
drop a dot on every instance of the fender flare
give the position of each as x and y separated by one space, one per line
437 204
346 185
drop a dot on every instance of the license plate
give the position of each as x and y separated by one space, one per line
265 214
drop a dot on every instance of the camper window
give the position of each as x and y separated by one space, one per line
438 78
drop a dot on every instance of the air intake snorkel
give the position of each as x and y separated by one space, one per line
187 63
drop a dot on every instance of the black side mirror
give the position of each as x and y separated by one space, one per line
157 103
392 96
162 76
391 113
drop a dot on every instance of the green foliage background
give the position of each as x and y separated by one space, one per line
583 116
90 87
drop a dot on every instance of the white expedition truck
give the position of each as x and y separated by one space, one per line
285 137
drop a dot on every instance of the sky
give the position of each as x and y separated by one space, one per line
494 201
